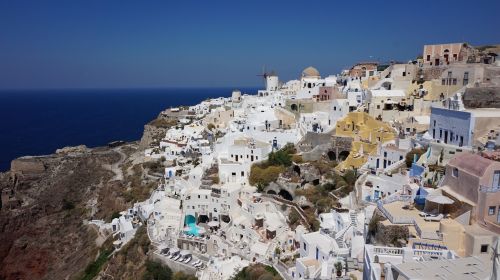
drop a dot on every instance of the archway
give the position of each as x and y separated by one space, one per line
271 192
387 85
296 168
225 218
203 219
332 156
294 107
285 194
343 155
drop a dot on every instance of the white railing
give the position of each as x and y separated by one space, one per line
393 251
409 220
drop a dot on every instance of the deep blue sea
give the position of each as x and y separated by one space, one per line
37 122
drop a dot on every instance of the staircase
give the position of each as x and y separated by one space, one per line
353 215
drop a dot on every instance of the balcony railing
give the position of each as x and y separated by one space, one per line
489 189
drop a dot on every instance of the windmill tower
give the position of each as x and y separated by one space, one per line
270 79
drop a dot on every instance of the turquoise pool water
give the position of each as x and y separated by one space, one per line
191 223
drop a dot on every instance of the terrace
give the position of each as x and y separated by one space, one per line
398 211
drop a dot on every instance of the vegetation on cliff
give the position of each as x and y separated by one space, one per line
265 172
257 272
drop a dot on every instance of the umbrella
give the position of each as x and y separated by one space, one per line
439 199
213 224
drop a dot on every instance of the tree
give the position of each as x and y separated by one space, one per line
338 268
411 154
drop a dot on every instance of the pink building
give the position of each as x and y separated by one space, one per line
444 54
475 181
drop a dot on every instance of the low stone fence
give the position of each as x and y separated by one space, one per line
174 266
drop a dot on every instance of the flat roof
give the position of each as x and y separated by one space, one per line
388 93
476 267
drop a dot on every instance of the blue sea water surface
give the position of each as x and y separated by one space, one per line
37 122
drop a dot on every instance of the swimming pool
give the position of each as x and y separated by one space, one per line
191 224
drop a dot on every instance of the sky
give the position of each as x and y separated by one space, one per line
142 44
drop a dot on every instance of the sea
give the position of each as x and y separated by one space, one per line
37 122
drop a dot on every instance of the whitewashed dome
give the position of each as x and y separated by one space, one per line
310 72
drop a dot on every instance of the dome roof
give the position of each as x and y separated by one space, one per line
310 72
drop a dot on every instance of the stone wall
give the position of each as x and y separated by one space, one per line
482 97
173 265
27 166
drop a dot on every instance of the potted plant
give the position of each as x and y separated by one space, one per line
338 268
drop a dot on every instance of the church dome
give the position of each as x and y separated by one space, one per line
310 72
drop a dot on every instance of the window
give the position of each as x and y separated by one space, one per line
242 173
454 172
449 74
428 57
491 210
484 248
466 78
443 82
305 246
454 81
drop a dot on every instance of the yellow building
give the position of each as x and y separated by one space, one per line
366 132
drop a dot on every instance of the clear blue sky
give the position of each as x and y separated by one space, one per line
110 44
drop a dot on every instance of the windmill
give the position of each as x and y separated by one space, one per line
264 75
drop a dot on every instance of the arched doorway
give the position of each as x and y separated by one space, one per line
343 155
296 168
225 218
332 156
271 192
285 194
294 107
203 219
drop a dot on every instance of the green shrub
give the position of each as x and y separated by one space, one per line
156 271
67 205
264 175
94 268
410 155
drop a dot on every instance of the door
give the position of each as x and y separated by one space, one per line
496 179
446 136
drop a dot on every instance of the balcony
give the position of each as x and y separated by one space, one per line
486 189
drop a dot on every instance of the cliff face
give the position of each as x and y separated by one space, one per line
45 201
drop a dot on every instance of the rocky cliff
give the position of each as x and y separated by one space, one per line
46 201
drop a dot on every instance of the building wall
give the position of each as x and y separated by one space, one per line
486 217
456 125
464 183
433 52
